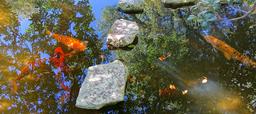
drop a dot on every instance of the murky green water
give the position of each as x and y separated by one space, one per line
35 79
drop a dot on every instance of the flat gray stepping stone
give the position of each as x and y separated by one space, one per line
104 85
122 33
174 4
131 6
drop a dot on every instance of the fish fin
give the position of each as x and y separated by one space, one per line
227 56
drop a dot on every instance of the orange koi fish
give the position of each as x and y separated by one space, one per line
59 57
228 51
24 70
167 91
29 67
71 42
164 57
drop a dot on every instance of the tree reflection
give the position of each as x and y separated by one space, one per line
39 89
189 61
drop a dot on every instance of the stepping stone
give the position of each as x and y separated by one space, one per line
123 33
174 4
131 6
104 85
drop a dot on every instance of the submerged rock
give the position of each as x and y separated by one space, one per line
122 33
131 6
103 85
126 48
174 4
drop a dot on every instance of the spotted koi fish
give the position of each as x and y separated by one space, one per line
228 51
71 42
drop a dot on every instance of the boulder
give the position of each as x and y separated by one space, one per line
174 4
103 85
131 6
122 33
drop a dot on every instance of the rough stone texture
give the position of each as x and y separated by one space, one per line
103 85
178 3
131 6
122 33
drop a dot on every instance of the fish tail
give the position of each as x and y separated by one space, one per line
249 62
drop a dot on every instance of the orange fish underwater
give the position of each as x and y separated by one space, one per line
59 57
167 91
29 67
228 51
71 42
164 57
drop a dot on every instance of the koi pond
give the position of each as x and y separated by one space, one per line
174 56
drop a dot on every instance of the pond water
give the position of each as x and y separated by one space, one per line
40 73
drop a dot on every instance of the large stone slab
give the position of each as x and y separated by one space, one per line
174 4
131 6
122 33
103 85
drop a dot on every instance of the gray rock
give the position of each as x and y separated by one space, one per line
174 4
122 33
131 6
103 85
